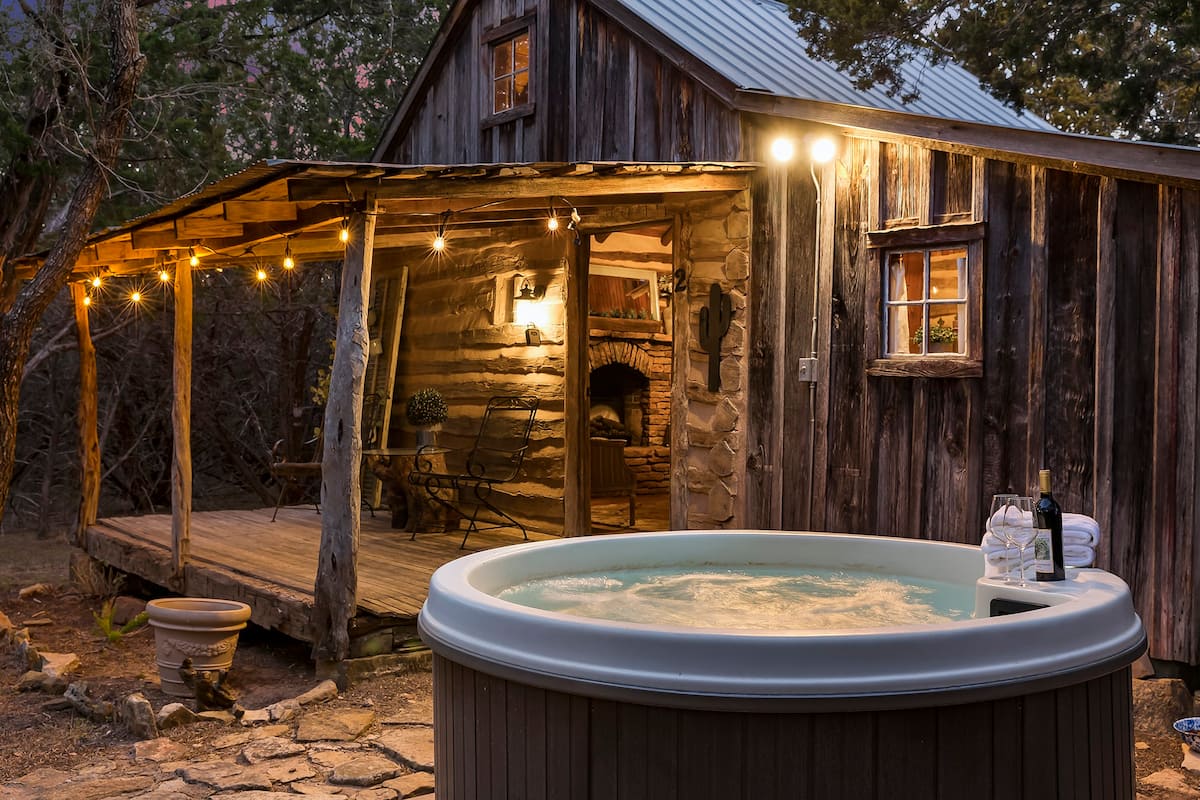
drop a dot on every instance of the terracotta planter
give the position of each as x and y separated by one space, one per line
198 628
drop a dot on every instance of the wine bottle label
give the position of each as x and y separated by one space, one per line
1043 553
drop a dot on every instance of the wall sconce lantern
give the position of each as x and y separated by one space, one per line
528 310
528 291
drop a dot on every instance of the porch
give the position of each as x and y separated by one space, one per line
242 555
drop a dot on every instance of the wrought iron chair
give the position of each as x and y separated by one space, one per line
496 457
291 474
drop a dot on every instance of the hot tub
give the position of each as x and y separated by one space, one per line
535 703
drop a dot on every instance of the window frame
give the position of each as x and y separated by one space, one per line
489 41
649 275
885 237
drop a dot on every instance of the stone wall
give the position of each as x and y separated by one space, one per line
650 354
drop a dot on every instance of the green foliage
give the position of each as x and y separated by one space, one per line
426 407
939 333
1127 68
109 630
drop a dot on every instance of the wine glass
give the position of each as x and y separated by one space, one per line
996 528
1018 520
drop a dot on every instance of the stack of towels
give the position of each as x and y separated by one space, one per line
1081 537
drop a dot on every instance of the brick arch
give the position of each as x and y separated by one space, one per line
605 353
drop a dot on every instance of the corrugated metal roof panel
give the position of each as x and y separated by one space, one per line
754 44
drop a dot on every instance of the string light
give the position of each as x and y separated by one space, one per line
164 276
344 233
439 241
552 222
96 282
288 261
87 300
261 275
193 259
135 296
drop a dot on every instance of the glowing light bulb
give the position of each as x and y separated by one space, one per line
289 262
783 149
439 243
823 150
552 223
135 297
344 235
194 260
261 275
87 301
96 282
164 276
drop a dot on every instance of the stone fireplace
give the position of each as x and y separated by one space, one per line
630 388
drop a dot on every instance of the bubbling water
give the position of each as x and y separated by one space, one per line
748 598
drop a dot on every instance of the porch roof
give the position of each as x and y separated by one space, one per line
300 205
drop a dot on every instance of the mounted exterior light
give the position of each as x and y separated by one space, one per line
783 149
823 150
529 291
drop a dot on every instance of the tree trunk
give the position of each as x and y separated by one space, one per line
18 323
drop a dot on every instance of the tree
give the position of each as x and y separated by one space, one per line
60 71
1128 68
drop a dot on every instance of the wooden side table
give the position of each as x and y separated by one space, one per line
412 508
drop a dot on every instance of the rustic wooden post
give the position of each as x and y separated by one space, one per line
577 506
89 441
1035 453
681 341
181 424
335 594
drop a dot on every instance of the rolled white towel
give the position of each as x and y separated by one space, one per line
1081 529
1077 555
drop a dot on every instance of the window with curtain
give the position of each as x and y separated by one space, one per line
925 302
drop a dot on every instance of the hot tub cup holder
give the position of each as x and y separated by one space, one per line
1189 729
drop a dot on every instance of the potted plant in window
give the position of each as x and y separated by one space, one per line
425 411
942 338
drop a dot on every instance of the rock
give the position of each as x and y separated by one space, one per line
26 651
158 750
138 716
255 716
1143 668
290 769
1157 703
338 726
225 776
125 608
283 710
36 590
57 704
242 737
325 690
60 664
317 790
412 785
95 710
38 622
378 793
223 717
53 784
173 715
330 759
1140 746
6 627
31 681
1191 759
273 796
1172 781
410 746
366 770
271 747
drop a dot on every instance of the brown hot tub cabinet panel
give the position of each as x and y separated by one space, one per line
499 738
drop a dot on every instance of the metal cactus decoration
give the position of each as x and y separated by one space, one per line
714 324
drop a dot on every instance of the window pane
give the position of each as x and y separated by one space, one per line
623 298
948 274
906 277
945 322
521 52
902 325
520 88
503 95
502 59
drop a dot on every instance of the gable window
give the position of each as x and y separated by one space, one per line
926 231
510 73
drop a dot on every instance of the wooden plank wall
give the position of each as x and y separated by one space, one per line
598 94
1091 326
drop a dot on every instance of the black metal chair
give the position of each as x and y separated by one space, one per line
495 458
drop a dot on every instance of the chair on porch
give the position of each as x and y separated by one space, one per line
494 458
296 474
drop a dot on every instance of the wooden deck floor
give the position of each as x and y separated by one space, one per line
242 555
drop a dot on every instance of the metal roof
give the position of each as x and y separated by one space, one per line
755 45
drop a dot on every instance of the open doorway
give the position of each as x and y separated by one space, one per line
629 377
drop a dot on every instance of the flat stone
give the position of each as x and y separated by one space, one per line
288 770
1191 759
58 665
271 747
329 759
31 681
339 726
174 715
223 717
225 776
6 626
58 785
165 794
36 622
255 716
1157 703
35 590
317 790
57 704
261 795
242 737
158 750
378 793
138 716
95 710
412 785
1172 781
367 770
283 710
410 746
1140 746
325 690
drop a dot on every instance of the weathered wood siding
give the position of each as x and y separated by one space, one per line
598 94
1090 369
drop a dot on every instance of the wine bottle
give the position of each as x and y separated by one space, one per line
1048 541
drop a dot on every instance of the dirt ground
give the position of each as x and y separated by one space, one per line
268 667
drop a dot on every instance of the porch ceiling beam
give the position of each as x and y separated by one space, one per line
260 211
301 189
250 233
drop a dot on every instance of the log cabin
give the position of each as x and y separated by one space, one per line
958 297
